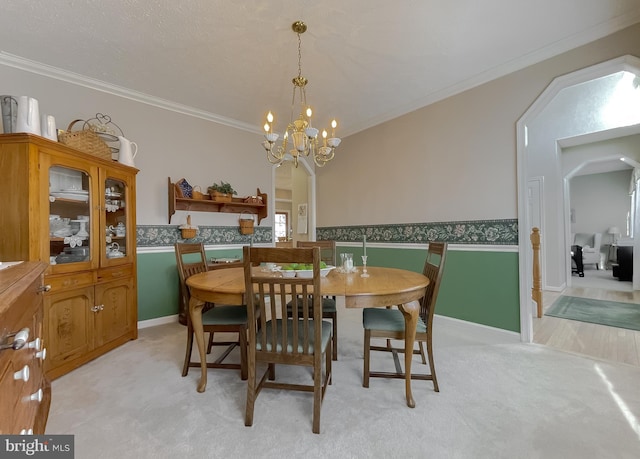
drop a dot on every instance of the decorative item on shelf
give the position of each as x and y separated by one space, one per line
304 137
222 192
183 189
197 193
253 200
188 231
106 129
85 140
246 222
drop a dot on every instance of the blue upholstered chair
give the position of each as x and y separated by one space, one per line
274 338
191 259
389 323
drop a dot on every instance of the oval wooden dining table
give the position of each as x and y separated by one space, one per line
384 287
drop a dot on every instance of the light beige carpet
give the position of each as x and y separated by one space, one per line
499 399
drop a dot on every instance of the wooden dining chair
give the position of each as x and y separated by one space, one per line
274 338
191 259
390 324
329 310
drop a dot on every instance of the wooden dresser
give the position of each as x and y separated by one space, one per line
25 392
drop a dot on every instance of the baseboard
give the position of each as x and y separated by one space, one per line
158 321
505 334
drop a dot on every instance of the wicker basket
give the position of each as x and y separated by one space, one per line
198 194
188 233
220 197
246 224
253 199
86 141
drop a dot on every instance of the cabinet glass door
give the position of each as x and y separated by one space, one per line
69 215
116 223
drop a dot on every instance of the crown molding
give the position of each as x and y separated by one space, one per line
11 60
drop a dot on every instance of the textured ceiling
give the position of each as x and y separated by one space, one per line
367 61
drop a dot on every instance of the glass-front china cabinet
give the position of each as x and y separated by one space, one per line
75 212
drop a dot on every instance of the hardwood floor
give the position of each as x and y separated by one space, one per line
601 341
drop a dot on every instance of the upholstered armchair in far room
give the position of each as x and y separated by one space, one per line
590 243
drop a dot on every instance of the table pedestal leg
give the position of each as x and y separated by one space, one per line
410 313
195 310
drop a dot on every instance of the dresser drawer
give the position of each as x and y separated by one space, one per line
66 281
117 272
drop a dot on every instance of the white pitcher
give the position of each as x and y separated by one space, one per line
48 127
9 107
28 116
128 151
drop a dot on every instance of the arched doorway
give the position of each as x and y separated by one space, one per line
294 198
579 104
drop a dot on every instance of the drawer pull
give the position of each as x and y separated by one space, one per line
26 432
35 397
97 307
44 288
19 340
22 374
35 344
41 354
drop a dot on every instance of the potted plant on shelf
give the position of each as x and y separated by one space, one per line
222 192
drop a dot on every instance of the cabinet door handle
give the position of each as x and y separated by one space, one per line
95 308
41 354
35 397
22 374
44 288
35 344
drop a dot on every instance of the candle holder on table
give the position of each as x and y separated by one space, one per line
364 267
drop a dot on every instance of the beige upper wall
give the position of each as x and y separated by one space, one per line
170 144
452 160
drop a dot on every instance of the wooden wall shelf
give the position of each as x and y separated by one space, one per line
236 206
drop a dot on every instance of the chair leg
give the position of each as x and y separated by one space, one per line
421 345
242 338
187 357
210 345
251 388
334 320
432 366
327 368
367 355
317 397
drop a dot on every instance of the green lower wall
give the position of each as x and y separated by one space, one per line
477 286
158 282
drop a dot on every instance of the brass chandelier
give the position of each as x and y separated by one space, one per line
304 137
